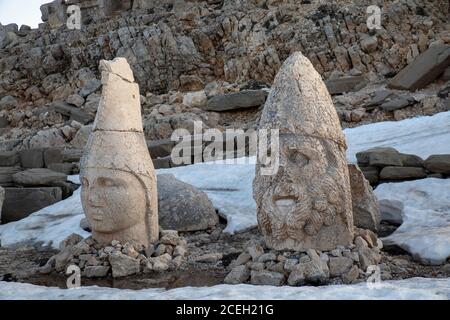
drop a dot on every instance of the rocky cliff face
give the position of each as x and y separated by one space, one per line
48 75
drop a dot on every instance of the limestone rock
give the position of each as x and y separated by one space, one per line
183 207
339 265
96 271
238 100
9 158
123 265
345 84
366 210
268 278
402 173
32 158
118 183
424 69
38 177
306 203
438 163
238 274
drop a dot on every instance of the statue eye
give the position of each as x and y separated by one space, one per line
107 182
298 158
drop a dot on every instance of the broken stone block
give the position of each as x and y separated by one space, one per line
366 210
345 84
239 274
6 174
423 70
269 278
238 100
123 265
402 173
37 177
21 202
160 148
371 174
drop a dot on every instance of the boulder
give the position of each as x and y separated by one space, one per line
268 278
72 112
96 271
21 202
411 160
345 84
65 168
438 163
424 69
81 137
397 103
183 207
313 271
371 174
52 155
379 157
402 173
9 158
366 210
195 99
239 274
123 265
339 265
38 177
237 100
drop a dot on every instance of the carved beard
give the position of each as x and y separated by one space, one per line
294 211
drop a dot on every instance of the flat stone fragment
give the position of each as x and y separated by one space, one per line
402 173
238 100
239 274
366 210
268 278
38 177
424 69
305 202
345 84
123 265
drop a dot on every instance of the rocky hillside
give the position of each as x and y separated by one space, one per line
186 54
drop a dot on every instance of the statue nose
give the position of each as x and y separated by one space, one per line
94 199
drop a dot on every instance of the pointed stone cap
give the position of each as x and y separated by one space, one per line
299 103
119 108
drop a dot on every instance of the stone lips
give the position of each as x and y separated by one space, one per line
307 203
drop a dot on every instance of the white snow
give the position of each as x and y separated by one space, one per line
425 231
422 136
411 289
229 186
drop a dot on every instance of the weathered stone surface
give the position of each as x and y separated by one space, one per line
268 278
438 163
424 69
371 174
397 103
366 210
339 265
65 168
411 160
9 158
53 155
402 173
96 271
72 112
32 158
123 265
313 271
6 174
38 177
239 274
118 190
21 202
183 207
306 203
238 100
379 157
346 84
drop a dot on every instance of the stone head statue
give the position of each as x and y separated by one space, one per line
307 203
118 183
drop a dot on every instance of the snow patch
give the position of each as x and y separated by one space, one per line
425 231
410 289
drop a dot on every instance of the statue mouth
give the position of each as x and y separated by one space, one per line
285 203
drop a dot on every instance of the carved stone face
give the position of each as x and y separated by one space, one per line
113 200
304 196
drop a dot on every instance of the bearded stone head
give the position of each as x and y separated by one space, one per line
307 202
